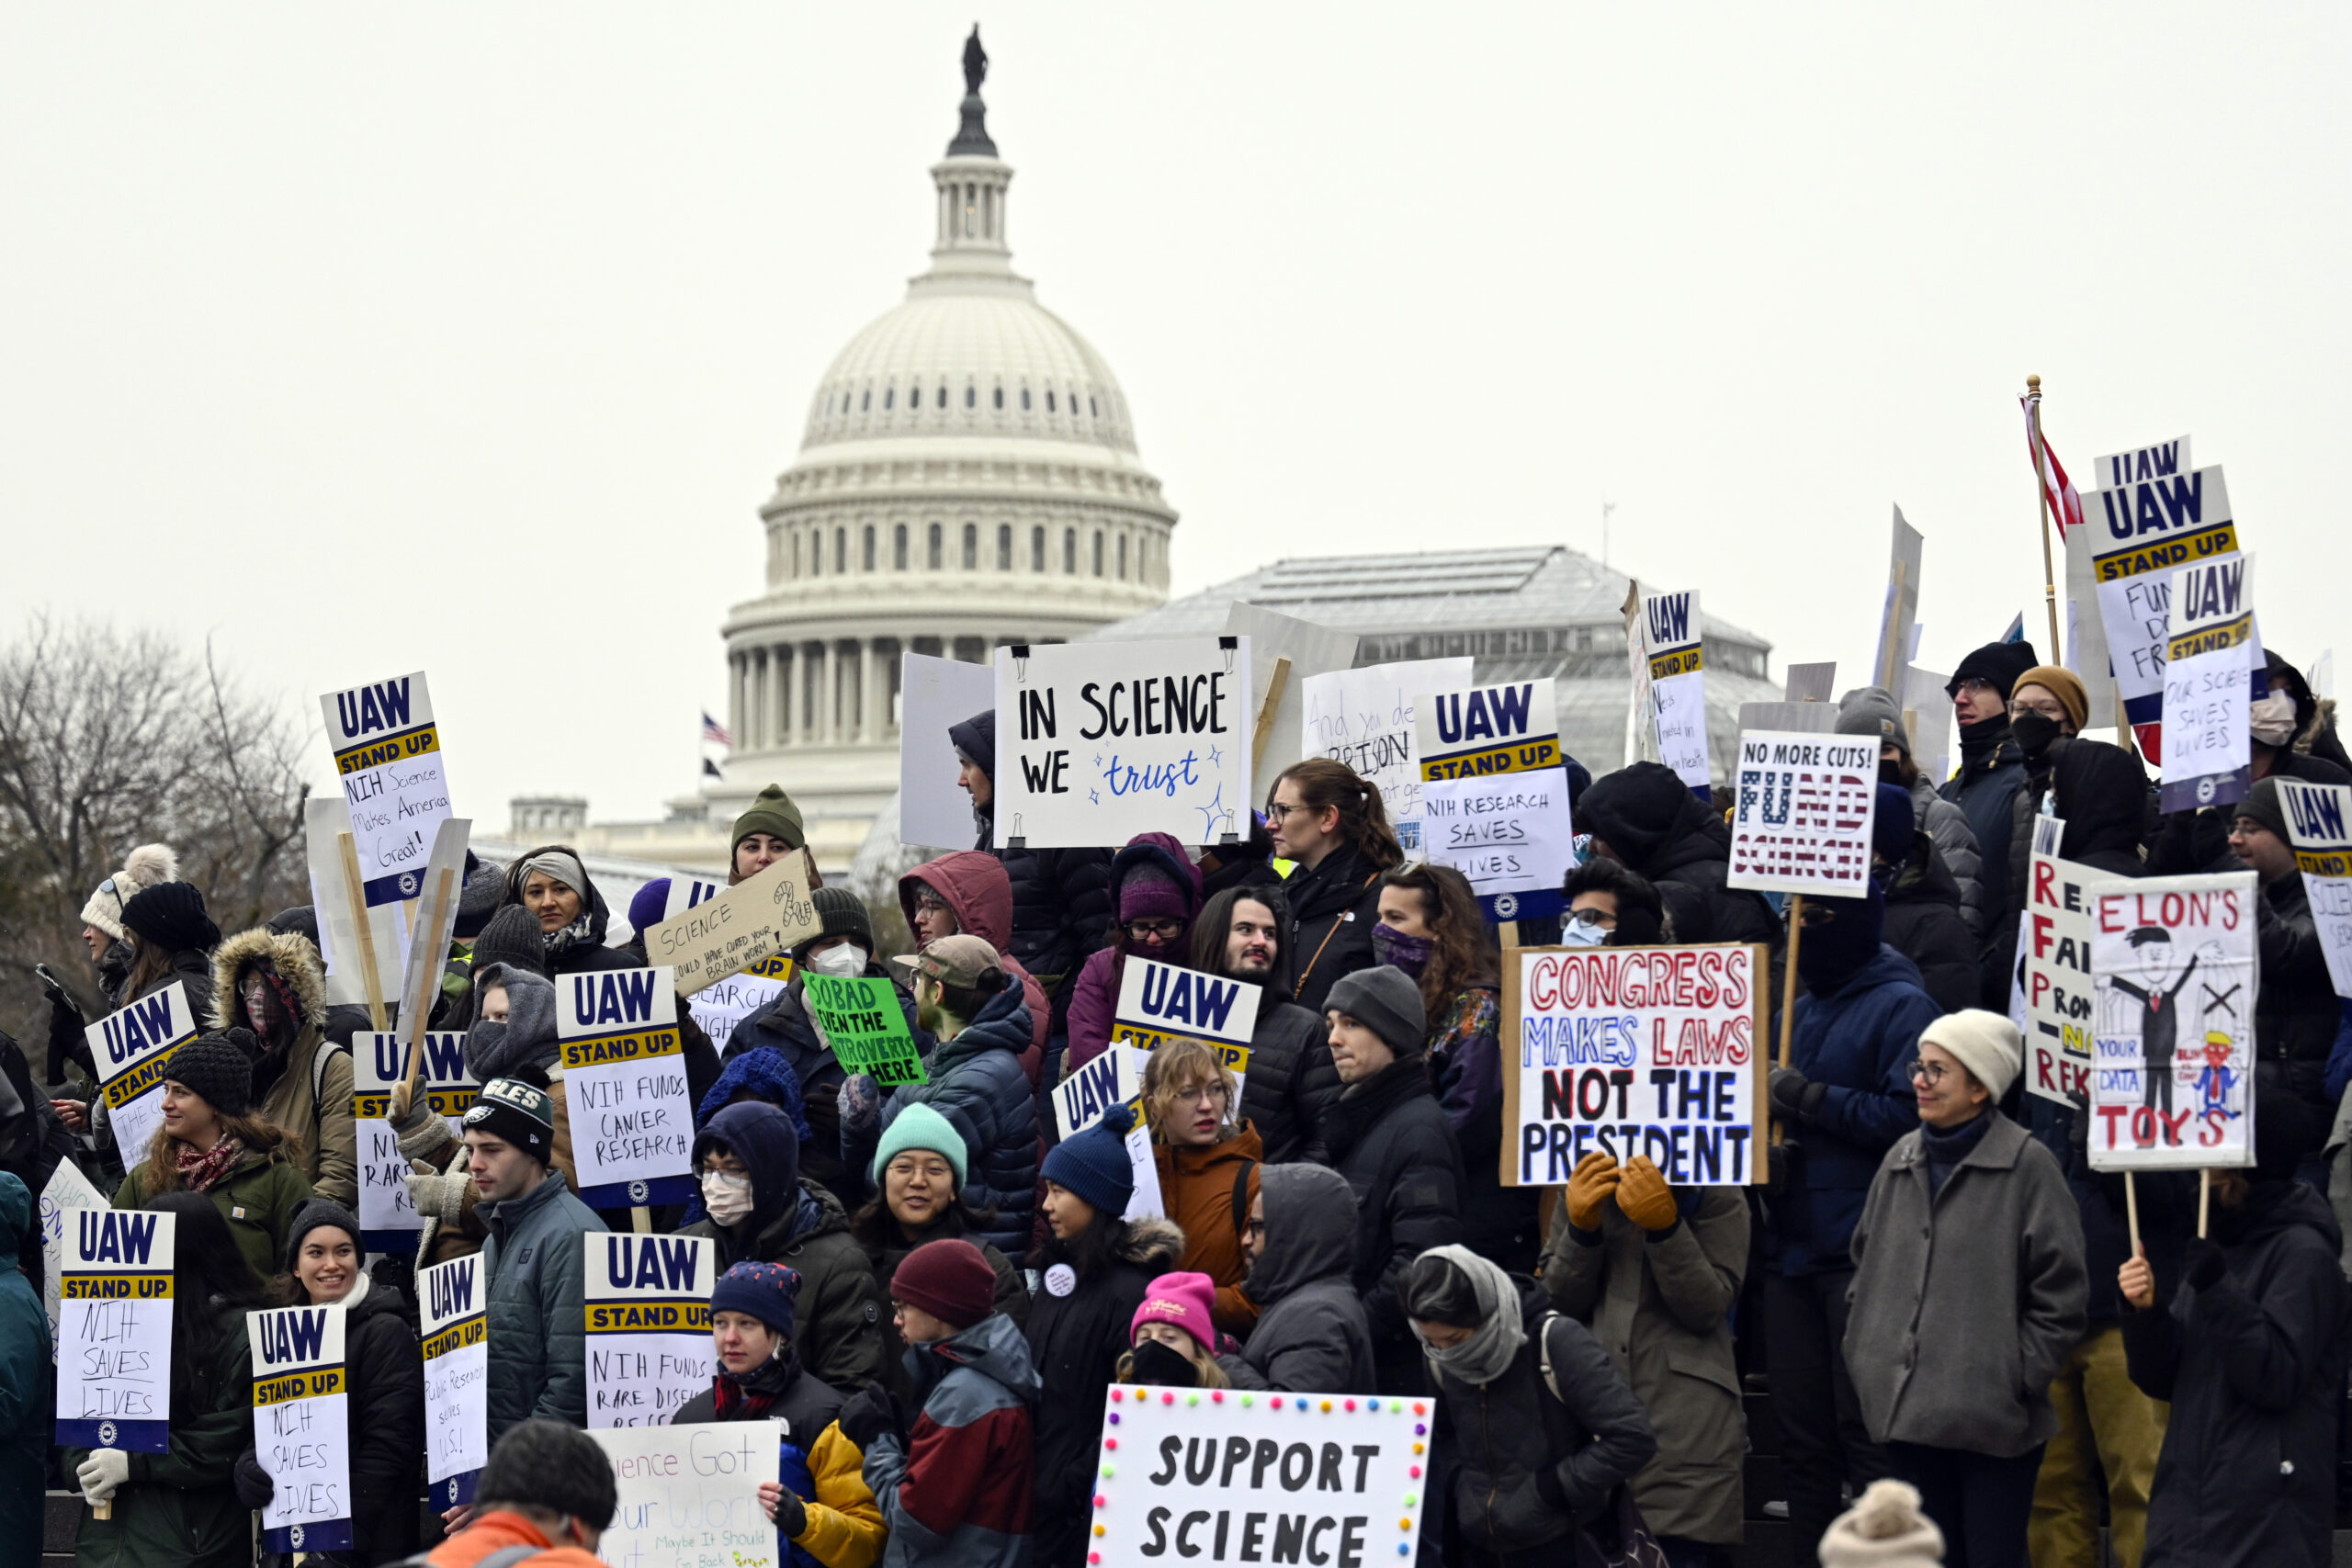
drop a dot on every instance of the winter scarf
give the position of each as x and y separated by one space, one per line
201 1170
1487 1354
750 1398
524 1037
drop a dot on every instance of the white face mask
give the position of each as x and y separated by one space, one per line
846 961
729 1198
2272 720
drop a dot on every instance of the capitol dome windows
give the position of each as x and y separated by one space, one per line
1024 399
970 397
889 395
1123 558
943 395
1037 550
1049 399
898 548
1069 552
999 397
865 555
1004 546
971 547
1098 552
932 559
1091 411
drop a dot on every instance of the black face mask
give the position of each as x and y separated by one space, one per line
1164 1365
2034 732
1889 771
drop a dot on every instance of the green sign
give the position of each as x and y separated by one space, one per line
861 1020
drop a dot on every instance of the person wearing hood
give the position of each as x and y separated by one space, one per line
975 1009
1545 1431
1156 889
766 1077
27 1398
768 830
1645 818
344 1020
1610 905
2251 1356
1969 1228
551 883
1061 897
383 1383
1097 1265
1335 826
1923 914
1300 1246
108 942
1207 1164
760 1209
275 987
958 1487
2295 1011
1844 1099
1390 1139
968 893
1869 710
1291 1083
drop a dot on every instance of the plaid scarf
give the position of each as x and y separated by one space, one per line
750 1398
200 1172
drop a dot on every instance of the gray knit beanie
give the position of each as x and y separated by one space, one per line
1388 1002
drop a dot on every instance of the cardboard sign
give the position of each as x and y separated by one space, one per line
1160 1002
114 1331
1898 623
2158 519
1112 1078
2172 962
649 1325
1311 650
67 1192
2055 971
2208 681
1628 1051
934 694
750 923
1098 742
388 755
129 1048
1495 794
632 1122
326 819
719 1007
302 1427
860 1018
453 1311
1366 718
1238 1477
2319 822
388 1220
1672 638
1802 816
690 1495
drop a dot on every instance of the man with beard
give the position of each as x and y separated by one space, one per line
1291 1081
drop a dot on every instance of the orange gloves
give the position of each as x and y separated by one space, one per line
1645 1197
1590 1186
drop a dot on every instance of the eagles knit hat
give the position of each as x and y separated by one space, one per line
645 907
921 1127
844 914
1185 1300
171 915
1148 893
1094 1163
2261 803
1388 1002
517 1111
217 1068
2064 684
959 960
1894 823
766 1290
1998 664
144 867
1987 1044
1869 710
320 1211
948 1279
772 813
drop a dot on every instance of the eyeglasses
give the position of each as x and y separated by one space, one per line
1162 931
1206 1093
931 903
1276 811
1928 1073
1591 917
1972 686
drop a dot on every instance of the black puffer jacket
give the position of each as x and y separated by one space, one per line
1653 824
1923 924
2295 1013
1390 1139
2100 792
1292 1083
1061 898
1332 910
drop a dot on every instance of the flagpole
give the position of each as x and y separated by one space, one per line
2041 496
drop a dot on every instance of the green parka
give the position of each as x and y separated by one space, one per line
178 1509
258 1198
26 1401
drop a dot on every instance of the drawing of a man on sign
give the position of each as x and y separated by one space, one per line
2161 978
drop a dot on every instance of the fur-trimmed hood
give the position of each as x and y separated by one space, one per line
290 956
1151 1243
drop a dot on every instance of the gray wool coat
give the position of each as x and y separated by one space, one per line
1965 1304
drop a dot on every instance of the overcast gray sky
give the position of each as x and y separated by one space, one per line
470 338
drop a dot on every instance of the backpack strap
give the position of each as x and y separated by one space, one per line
1298 987
1241 1197
1544 1355
319 1059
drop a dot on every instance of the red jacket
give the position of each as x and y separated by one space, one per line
975 889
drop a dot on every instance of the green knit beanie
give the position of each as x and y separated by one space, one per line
771 812
921 1127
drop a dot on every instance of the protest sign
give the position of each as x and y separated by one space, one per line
388 755
1628 1051
2087 632
1811 682
451 1306
1670 633
435 925
2055 969
1641 732
388 1220
1111 1078
690 1495
1927 710
2143 528
2207 684
649 1325
2318 824
1296 651
68 1190
935 693
860 1018
114 1331
748 923
1803 809
302 1427
1231 1476
2173 972
129 1048
632 1124
719 1007
1098 742
1897 622
1364 718
1495 794
326 819
1160 1002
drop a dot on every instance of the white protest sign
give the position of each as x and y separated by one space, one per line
727 934
632 1124
302 1427
129 1048
1160 1002
690 1495
1628 1051
1098 742
326 819
1495 794
1228 1476
717 1008
68 1190
1802 814
1366 718
452 1310
1671 634
649 1325
1897 622
2319 822
1112 1078
2141 530
2054 970
388 1220
388 755
1302 650
2172 962
2208 681
114 1331
2153 462
935 693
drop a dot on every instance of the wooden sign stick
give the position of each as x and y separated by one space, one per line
422 1001
1274 684
2041 497
352 886
2204 1191
2132 1212
1789 996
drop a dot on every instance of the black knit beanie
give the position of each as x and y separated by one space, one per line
217 1068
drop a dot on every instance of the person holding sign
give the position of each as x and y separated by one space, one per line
768 830
2194 841
172 941
554 886
178 1509
27 1391
1645 818
1155 889
1061 898
1333 824
1208 1166
1871 710
275 985
2295 1014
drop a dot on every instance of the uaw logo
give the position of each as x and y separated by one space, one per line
2205 791
107 1434
1506 906
294 1537
637 1192
411 885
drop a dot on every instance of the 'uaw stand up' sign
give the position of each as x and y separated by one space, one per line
114 1331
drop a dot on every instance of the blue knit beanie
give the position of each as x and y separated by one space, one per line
1094 1165
765 1290
645 909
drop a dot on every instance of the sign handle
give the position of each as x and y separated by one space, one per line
422 1002
351 886
1274 684
640 1220
102 1510
1789 996
2132 1210
2204 1191
2041 497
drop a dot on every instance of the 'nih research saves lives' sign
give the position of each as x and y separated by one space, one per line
388 755
1495 794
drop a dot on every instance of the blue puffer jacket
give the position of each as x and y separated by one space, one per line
976 1082
539 1326
1859 1041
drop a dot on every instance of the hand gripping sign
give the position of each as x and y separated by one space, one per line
388 1219
387 752
129 1047
632 1124
114 1331
302 1427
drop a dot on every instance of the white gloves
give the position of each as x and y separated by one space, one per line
438 1197
103 1474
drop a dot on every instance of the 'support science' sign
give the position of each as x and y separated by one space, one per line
1801 822
1628 1051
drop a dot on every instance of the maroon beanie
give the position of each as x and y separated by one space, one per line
1148 893
949 1279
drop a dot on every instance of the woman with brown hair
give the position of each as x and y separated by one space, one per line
1208 1162
1333 824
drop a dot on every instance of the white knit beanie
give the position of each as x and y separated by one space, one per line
1987 1044
1884 1529
144 867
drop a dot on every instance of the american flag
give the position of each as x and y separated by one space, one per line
2065 502
716 732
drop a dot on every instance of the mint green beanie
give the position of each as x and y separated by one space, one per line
921 1127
